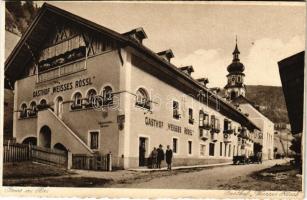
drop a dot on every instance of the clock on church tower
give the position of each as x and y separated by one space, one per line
235 85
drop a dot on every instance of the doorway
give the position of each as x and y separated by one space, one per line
45 137
143 148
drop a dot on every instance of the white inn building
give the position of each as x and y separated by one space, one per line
84 88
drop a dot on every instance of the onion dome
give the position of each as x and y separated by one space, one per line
236 65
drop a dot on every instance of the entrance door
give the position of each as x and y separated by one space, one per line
142 151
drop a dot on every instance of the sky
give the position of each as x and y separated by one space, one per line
203 34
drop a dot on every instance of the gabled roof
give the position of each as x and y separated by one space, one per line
37 32
47 15
243 100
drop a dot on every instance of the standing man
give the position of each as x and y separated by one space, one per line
169 156
160 156
154 155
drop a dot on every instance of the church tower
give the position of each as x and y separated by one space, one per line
235 78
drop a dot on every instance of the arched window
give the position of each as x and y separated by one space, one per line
33 109
90 97
43 102
42 105
77 101
59 105
107 94
142 98
23 112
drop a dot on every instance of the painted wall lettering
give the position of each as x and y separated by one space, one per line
63 87
174 128
188 131
83 82
41 92
153 122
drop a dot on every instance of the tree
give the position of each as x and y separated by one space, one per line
23 13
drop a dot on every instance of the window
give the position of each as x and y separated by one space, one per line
42 105
176 114
201 118
191 120
239 79
94 140
33 108
90 97
107 96
23 112
43 102
77 101
212 122
142 99
211 149
190 147
225 150
175 145
229 150
202 150
227 126
204 120
217 125
221 148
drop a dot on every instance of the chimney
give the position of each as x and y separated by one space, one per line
203 81
167 54
137 34
187 69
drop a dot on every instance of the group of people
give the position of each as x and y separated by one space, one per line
157 156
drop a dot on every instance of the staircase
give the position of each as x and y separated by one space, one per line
61 133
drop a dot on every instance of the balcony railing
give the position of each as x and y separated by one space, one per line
67 68
142 104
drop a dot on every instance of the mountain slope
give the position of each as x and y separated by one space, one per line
270 100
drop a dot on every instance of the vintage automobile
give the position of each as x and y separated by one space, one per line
255 159
240 160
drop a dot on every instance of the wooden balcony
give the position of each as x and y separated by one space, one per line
214 137
62 70
204 134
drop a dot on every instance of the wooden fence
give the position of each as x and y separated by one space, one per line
48 156
92 162
15 152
